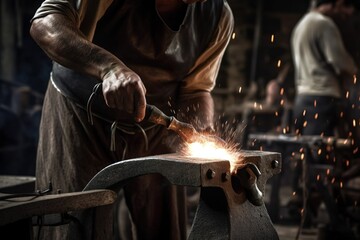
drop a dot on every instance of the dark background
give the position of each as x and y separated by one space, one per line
250 60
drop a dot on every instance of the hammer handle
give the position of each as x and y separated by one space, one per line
155 115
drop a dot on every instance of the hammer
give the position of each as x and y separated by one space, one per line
186 131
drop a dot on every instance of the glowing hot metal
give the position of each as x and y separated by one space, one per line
208 148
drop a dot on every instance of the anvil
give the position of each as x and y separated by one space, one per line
224 210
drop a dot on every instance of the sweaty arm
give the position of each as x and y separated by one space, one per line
61 39
195 103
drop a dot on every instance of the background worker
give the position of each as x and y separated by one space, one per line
321 64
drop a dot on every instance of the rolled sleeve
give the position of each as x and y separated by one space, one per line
202 76
64 7
83 13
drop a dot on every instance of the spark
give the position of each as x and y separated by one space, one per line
304 112
276 113
355 150
304 124
318 177
314 103
341 184
319 151
282 91
279 63
240 89
272 38
347 94
341 114
282 102
233 35
354 79
354 123
294 193
316 116
328 171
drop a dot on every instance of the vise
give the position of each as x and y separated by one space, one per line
231 205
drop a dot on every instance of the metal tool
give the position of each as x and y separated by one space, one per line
186 131
225 210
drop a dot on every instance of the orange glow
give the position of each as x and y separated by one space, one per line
211 149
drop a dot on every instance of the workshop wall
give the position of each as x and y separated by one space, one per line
258 50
